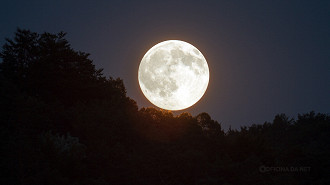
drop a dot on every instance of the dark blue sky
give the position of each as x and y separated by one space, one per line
265 57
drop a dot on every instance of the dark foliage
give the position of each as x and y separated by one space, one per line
64 122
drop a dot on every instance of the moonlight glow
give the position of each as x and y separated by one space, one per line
173 75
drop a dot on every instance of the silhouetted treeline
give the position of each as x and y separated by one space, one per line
64 122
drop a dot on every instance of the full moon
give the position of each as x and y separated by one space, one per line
173 75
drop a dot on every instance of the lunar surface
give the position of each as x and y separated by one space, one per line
173 75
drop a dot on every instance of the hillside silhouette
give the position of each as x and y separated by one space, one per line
64 122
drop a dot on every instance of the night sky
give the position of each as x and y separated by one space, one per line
265 57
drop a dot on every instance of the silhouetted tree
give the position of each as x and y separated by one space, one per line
210 127
64 122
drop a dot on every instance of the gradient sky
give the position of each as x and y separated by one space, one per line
265 57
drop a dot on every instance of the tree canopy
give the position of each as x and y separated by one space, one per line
64 122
